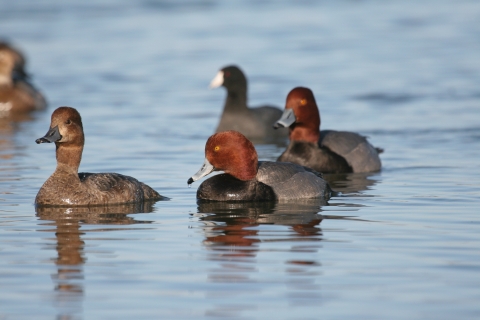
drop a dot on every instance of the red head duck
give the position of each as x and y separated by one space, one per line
247 179
325 151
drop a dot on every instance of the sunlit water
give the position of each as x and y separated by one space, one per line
403 243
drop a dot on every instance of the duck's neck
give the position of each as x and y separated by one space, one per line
246 173
236 99
245 164
68 158
5 81
299 132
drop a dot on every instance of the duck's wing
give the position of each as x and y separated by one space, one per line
118 188
354 148
291 181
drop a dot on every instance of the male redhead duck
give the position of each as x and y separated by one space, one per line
17 94
246 179
67 187
254 123
325 151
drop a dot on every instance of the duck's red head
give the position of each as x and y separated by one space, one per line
231 152
301 115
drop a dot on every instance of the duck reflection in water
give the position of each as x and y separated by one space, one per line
232 228
70 246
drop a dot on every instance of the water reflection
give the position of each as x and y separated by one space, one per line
9 125
351 183
245 238
234 230
69 288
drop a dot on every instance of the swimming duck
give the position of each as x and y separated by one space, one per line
325 151
17 94
254 123
67 187
19 58
247 179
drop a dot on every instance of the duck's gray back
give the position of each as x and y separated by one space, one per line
359 153
290 181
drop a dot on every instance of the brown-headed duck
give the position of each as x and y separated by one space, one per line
67 187
17 55
247 179
17 94
325 151
254 123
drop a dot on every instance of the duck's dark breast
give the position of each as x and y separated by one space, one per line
224 187
310 155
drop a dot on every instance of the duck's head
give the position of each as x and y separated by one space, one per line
229 77
231 152
7 65
65 128
301 115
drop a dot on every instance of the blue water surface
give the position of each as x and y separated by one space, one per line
402 243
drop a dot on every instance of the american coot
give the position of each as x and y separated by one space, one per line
254 123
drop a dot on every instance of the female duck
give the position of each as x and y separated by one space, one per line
67 187
17 94
254 123
246 179
324 151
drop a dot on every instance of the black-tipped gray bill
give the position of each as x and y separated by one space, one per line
206 169
52 135
286 120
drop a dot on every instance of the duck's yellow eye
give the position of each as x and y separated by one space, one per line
216 148
303 101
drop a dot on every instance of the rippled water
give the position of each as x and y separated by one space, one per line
403 243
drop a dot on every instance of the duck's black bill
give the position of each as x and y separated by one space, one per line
52 135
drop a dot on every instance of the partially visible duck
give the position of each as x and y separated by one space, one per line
19 58
326 151
254 123
246 179
17 94
67 187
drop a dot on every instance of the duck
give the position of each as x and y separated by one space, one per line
326 151
17 93
19 58
254 123
247 179
67 187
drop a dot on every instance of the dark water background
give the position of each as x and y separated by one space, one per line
403 243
